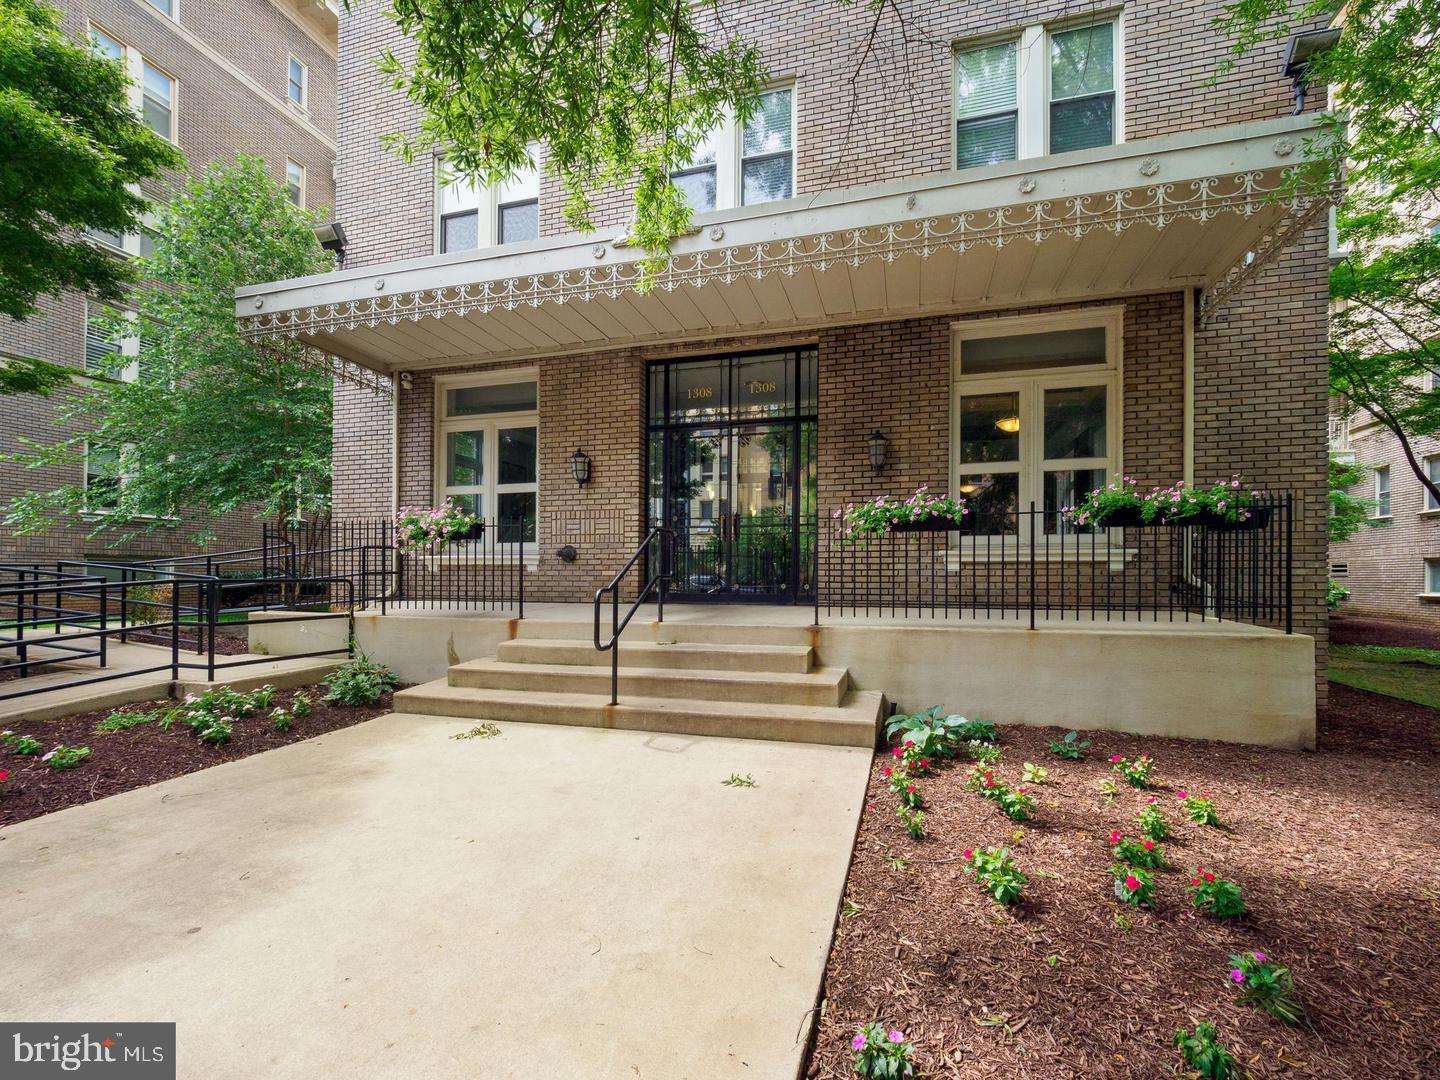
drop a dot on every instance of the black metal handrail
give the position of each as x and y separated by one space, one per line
659 579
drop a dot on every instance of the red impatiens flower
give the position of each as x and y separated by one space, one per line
1208 877
1148 845
885 771
909 787
969 853
1115 837
1194 881
1132 882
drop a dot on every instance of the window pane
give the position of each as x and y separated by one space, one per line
698 187
106 45
1432 470
1066 488
517 455
699 391
982 436
102 477
1382 491
1023 352
657 392
517 517
763 386
100 343
157 84
464 458
458 194
297 81
104 236
471 504
159 92
519 222
985 142
985 80
156 117
1079 125
1075 423
165 6
523 185
768 131
477 400
1432 575
294 181
460 232
993 499
766 180
1082 61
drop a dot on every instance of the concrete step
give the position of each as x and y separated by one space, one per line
797 659
853 724
821 686
645 628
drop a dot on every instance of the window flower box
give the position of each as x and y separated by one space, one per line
922 512
1120 504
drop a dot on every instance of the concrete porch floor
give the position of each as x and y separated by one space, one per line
384 901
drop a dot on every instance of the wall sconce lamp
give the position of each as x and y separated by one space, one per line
1008 424
407 381
1300 51
580 467
331 237
878 445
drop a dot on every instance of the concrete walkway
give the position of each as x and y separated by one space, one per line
384 901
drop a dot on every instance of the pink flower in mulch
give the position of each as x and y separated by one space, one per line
989 781
1151 800
1237 975
924 763
1132 882
909 742
1115 837
1182 794
909 787
1020 791
897 1036
5 775
1260 956
897 751
1116 759
1148 845
886 771
858 1042
1208 876
969 853
1194 881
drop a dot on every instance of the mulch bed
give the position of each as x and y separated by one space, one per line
1336 852
122 760
1353 630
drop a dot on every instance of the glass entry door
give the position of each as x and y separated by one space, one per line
732 473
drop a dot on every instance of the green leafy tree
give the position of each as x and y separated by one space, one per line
199 420
1348 513
28 375
71 149
614 91
1385 144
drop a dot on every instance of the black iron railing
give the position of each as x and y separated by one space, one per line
1033 567
656 554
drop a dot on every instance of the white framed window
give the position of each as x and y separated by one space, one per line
295 181
152 90
1382 492
1432 470
744 165
132 244
103 478
158 100
486 451
1035 414
1432 577
165 7
1049 90
297 83
111 350
472 216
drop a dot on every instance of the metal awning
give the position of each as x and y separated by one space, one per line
1202 209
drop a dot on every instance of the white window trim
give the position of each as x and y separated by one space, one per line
1427 504
304 103
135 62
1425 593
303 180
1032 384
730 152
487 210
1389 494
129 342
174 13
488 422
1032 90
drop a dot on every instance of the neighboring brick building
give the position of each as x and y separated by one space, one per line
218 80
1010 194
1392 569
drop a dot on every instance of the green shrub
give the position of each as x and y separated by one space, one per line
282 720
1267 986
1153 825
994 869
27 746
1071 747
1204 1056
1133 885
300 706
1215 895
66 757
360 681
122 721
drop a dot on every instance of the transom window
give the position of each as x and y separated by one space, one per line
487 454
1035 415
1046 91
475 216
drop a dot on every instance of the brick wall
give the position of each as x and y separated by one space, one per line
218 114
1386 564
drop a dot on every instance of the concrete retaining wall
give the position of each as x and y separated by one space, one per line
1234 687
420 648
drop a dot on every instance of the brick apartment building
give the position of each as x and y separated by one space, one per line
1393 569
1041 252
251 76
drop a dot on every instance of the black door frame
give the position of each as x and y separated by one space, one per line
795 425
